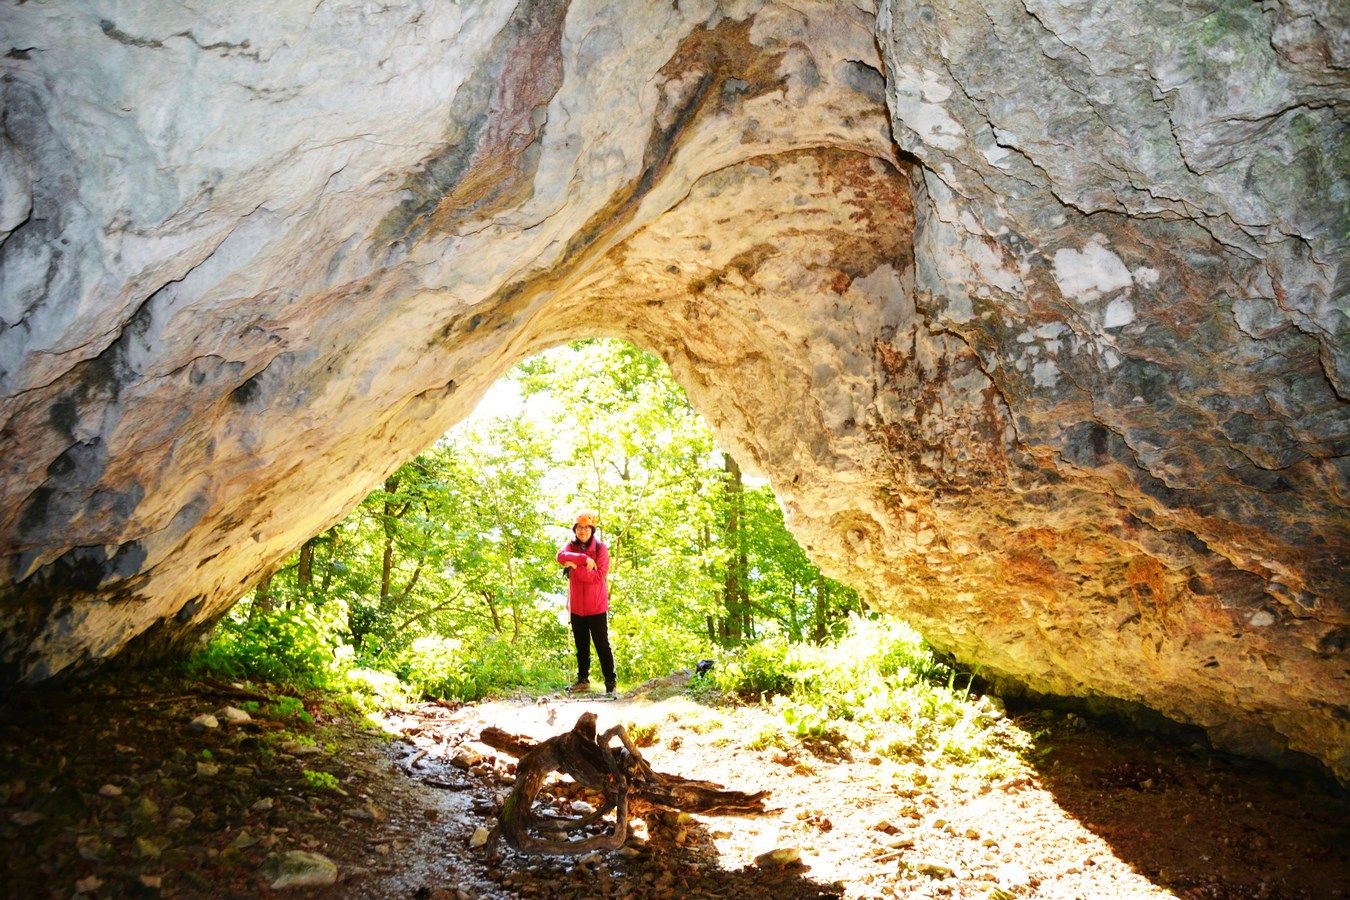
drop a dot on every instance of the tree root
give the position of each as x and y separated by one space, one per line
619 773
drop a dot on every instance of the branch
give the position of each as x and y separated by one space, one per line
426 612
411 581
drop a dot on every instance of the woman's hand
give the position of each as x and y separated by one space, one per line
590 564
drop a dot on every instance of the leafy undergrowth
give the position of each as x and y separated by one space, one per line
113 791
877 689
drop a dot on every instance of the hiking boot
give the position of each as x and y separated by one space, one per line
581 686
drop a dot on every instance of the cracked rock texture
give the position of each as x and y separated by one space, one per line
1034 313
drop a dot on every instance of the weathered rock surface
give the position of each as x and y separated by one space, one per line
1034 313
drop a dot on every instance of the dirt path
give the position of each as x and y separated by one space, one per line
106 795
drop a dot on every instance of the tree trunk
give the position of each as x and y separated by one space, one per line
737 623
490 599
304 576
794 614
822 609
333 551
390 520
263 602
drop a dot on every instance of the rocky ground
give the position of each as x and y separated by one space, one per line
152 789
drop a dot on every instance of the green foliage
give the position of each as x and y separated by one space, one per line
291 708
320 780
784 585
373 689
759 671
444 667
651 640
878 687
290 646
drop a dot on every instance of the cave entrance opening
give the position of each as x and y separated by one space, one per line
445 574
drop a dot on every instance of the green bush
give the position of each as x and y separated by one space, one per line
295 647
759 671
643 652
291 708
322 781
880 687
445 667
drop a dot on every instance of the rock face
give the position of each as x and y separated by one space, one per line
1034 313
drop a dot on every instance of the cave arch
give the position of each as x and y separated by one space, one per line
1020 353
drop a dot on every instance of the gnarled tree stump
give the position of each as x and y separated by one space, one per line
617 772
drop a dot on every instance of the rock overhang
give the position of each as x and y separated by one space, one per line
1024 359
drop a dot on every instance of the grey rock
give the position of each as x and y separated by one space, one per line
234 715
299 868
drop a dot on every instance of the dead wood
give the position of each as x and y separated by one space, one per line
512 744
617 772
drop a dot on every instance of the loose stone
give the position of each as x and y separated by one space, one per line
778 858
300 868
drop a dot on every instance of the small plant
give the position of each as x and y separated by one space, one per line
703 726
291 708
768 736
321 780
643 735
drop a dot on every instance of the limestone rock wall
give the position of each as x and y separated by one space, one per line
1034 313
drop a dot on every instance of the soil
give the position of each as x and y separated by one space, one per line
113 791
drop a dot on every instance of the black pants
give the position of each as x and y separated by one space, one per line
586 629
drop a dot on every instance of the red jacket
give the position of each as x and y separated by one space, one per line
587 594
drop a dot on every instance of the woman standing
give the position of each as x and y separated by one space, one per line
587 563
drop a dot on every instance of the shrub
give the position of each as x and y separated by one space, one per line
284 646
444 667
878 686
759 671
643 652
322 781
643 734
